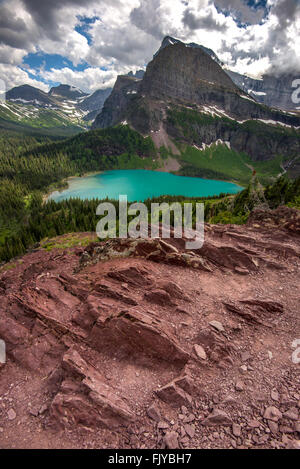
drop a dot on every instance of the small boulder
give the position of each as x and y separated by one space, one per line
11 414
236 430
171 440
275 395
190 430
162 425
273 426
239 386
174 395
173 289
159 297
200 352
154 413
291 414
245 356
241 270
272 413
217 417
217 325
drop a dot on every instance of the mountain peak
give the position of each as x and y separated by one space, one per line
171 41
28 94
177 70
67 91
26 87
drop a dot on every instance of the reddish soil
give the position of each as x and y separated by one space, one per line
140 344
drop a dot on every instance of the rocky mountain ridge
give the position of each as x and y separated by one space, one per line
187 79
67 91
170 41
63 103
27 94
272 90
181 74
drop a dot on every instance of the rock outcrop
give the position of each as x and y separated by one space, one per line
274 90
116 105
139 343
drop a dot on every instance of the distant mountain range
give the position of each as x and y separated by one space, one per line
65 109
69 107
64 97
67 92
186 96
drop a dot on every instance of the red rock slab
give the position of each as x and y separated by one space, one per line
138 333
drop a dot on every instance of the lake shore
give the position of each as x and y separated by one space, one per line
171 166
64 184
139 185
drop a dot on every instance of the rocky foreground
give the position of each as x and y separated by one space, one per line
140 344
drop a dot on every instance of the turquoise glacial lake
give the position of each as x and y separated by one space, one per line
139 185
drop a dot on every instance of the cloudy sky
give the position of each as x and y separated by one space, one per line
87 43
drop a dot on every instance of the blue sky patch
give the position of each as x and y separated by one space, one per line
43 61
252 4
84 26
40 61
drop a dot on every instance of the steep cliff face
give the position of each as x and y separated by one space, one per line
180 72
116 106
260 141
93 104
186 75
272 90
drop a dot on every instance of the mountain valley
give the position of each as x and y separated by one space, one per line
143 343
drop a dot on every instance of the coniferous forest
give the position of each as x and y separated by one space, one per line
30 166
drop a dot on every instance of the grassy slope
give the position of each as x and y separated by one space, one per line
29 120
24 129
222 163
218 161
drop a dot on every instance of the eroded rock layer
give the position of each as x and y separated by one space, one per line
142 344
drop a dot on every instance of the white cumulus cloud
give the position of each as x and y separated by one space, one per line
125 34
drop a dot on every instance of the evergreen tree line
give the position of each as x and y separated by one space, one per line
28 166
75 215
